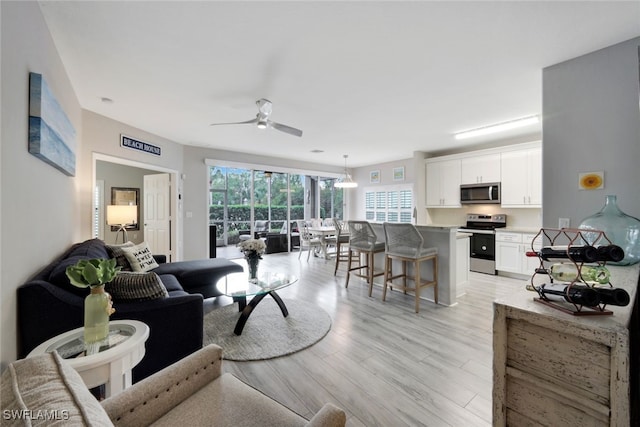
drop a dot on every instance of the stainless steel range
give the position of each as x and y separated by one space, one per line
482 256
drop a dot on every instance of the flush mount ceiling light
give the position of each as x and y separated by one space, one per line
499 127
345 181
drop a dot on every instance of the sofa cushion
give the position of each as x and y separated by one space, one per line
170 282
115 251
44 390
92 248
140 257
200 271
129 285
59 277
226 400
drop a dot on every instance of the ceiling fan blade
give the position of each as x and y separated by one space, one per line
248 122
285 128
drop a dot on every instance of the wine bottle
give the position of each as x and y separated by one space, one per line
610 253
613 296
580 295
568 272
575 253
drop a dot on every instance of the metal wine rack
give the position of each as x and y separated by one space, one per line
570 237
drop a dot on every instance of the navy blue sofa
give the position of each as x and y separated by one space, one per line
49 305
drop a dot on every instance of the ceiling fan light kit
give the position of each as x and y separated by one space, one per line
262 120
345 181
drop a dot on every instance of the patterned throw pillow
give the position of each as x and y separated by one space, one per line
117 252
129 285
139 257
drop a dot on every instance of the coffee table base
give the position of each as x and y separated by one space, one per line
247 309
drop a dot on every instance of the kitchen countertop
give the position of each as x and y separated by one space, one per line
520 229
440 226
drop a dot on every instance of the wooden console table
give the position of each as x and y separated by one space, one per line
551 368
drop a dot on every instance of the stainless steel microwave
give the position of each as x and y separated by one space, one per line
480 193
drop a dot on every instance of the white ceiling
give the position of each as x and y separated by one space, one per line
374 80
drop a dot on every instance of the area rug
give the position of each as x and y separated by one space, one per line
267 334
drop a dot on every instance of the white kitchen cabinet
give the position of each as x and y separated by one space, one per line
509 252
480 169
529 264
511 249
443 184
522 178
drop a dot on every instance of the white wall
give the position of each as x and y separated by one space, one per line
362 176
40 206
591 123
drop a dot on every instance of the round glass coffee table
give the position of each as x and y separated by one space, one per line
239 287
112 364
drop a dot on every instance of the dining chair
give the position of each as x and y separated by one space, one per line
330 240
363 241
314 222
307 240
342 242
328 222
404 243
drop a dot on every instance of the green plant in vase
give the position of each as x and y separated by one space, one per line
94 274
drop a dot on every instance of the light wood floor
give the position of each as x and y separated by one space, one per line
382 363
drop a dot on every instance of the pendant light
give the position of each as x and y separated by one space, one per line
345 181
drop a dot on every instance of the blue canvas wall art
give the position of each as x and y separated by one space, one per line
52 137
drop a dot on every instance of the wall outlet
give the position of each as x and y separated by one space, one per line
564 222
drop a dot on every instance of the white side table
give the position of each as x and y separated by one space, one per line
112 364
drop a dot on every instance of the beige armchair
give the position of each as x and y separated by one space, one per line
192 391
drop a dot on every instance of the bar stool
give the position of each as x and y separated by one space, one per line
403 242
342 242
363 241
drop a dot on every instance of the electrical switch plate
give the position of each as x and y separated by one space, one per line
563 222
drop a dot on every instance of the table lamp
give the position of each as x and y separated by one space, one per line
122 215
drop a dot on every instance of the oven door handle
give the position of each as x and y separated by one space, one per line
468 230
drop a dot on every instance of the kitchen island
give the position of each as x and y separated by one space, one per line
453 260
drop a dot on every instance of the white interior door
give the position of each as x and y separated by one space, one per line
157 213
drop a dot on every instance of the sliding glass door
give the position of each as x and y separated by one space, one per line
229 203
239 197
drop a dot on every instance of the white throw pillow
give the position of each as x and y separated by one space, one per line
140 258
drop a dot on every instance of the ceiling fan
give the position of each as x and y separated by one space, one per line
262 119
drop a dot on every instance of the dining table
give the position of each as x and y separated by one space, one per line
323 233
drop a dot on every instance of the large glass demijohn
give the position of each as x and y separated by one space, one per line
623 230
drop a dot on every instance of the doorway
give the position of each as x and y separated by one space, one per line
108 172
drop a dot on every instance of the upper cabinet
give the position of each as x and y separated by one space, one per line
443 184
522 178
480 169
517 167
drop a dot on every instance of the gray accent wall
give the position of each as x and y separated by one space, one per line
591 122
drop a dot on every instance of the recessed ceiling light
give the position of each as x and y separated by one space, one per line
106 100
499 127
317 151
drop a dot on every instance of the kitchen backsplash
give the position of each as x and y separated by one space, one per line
529 218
